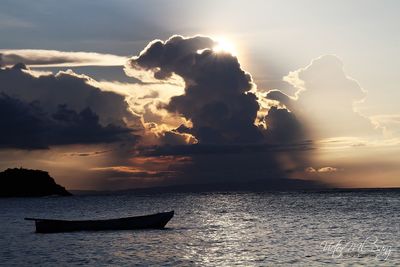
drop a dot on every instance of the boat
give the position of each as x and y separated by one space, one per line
152 221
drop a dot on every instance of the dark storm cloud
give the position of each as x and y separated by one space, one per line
237 167
28 126
38 112
65 88
217 96
233 163
220 101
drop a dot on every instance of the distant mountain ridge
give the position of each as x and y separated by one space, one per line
238 186
20 182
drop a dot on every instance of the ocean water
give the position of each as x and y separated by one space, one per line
210 229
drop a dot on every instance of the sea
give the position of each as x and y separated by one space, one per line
345 228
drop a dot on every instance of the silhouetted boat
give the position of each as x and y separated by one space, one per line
153 221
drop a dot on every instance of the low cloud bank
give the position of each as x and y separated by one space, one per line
55 58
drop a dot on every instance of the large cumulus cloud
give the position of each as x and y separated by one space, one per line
218 99
239 140
326 99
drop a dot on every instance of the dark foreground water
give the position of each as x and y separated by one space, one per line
211 229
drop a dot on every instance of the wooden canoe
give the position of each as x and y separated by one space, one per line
153 221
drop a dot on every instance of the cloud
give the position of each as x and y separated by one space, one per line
46 110
326 99
88 154
55 58
207 149
190 102
283 126
152 94
124 177
231 134
219 97
327 169
176 138
231 163
26 125
389 123
69 88
321 170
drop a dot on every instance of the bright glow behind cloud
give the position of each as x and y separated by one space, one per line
226 46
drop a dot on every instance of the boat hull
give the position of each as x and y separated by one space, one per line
153 221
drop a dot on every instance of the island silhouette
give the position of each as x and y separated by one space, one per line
20 182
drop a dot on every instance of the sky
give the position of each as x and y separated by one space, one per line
124 94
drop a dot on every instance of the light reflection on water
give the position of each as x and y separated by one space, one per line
208 229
